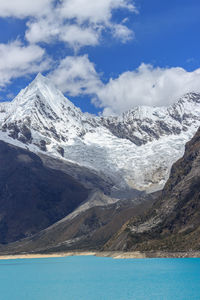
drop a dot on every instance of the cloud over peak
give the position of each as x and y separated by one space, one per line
147 85
76 76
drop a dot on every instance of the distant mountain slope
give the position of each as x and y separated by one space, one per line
134 151
89 229
173 223
32 196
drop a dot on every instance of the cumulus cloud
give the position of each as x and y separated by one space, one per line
147 86
23 8
18 60
76 75
48 29
44 29
144 86
122 32
80 23
95 12
77 23
79 36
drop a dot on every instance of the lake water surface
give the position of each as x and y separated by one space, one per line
95 278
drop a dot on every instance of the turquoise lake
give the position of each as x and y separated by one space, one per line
95 278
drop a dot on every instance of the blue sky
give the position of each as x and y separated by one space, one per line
106 57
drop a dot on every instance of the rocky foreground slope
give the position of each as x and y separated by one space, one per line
89 230
173 223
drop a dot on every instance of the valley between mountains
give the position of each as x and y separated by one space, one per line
74 181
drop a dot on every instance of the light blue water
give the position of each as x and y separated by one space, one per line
93 278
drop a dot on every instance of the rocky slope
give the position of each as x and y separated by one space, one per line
44 207
133 151
87 230
173 223
33 196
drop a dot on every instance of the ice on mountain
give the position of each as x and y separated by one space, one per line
136 149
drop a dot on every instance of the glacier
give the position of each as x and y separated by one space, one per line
135 150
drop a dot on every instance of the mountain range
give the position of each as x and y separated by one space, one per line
71 180
133 151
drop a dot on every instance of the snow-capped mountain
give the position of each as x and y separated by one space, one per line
136 150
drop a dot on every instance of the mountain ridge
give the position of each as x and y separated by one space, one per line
122 148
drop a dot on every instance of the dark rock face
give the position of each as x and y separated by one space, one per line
61 151
149 130
32 196
42 145
21 133
173 223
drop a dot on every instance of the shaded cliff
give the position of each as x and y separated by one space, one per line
32 196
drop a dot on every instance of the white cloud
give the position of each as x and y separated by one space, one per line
144 86
18 60
44 29
49 29
80 23
23 8
95 12
122 32
147 86
76 76
78 36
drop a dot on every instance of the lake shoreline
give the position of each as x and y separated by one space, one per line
112 254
